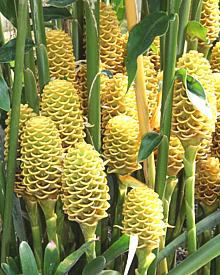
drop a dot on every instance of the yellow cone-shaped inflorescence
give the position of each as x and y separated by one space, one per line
151 84
121 145
190 125
208 181
25 114
216 77
84 185
175 160
111 40
143 216
41 158
60 102
210 18
216 140
215 58
60 55
204 149
154 53
115 100
81 87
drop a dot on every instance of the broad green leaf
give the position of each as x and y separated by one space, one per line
31 90
95 266
207 223
149 142
153 5
28 262
44 74
198 259
141 37
195 30
109 272
8 9
133 244
13 265
8 270
56 13
4 95
116 249
51 258
7 51
119 7
195 92
60 3
70 260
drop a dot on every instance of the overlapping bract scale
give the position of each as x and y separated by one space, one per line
216 139
204 149
143 216
210 17
208 181
84 185
41 157
60 55
111 40
121 145
216 77
190 125
81 87
215 57
154 54
175 159
60 102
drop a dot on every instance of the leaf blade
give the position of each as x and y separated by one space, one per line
28 262
4 95
95 266
56 13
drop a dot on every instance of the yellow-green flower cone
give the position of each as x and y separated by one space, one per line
216 140
215 58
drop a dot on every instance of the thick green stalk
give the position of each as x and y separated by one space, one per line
2 188
196 9
184 18
40 41
145 258
75 34
207 237
189 167
93 78
80 19
32 209
14 127
48 207
166 108
89 235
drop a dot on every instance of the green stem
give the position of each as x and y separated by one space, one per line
80 20
184 18
207 237
14 126
48 207
145 258
189 167
93 78
32 209
218 258
166 108
2 188
89 235
75 33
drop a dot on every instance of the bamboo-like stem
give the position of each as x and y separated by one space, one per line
2 188
32 209
93 78
142 105
184 18
189 167
75 33
196 9
166 108
14 126
40 41
80 20
89 235
145 258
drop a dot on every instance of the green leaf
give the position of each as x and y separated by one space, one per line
44 73
148 143
13 265
95 266
51 258
207 223
133 244
4 95
153 5
195 92
7 51
7 269
70 260
60 3
28 262
117 248
195 30
141 37
109 272
56 13
31 90
198 259
7 8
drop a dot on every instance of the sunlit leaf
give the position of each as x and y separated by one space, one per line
51 258
194 30
95 266
8 270
60 3
28 262
149 142
56 13
4 95
131 252
141 37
